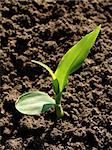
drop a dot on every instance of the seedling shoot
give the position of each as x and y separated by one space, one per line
36 102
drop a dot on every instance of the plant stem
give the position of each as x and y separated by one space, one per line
59 109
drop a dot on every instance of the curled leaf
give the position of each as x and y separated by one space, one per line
46 67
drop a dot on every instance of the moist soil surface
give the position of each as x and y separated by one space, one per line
44 31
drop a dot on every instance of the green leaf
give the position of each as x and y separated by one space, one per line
55 81
46 67
73 59
55 86
33 103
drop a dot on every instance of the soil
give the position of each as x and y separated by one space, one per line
44 30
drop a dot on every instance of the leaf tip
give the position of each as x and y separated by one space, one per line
100 25
33 61
98 28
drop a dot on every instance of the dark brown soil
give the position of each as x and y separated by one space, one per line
35 29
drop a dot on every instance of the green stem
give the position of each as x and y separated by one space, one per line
59 109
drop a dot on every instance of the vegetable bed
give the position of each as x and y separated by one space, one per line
45 31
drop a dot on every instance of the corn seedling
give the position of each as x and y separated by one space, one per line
36 102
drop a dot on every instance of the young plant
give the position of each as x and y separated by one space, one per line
36 102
